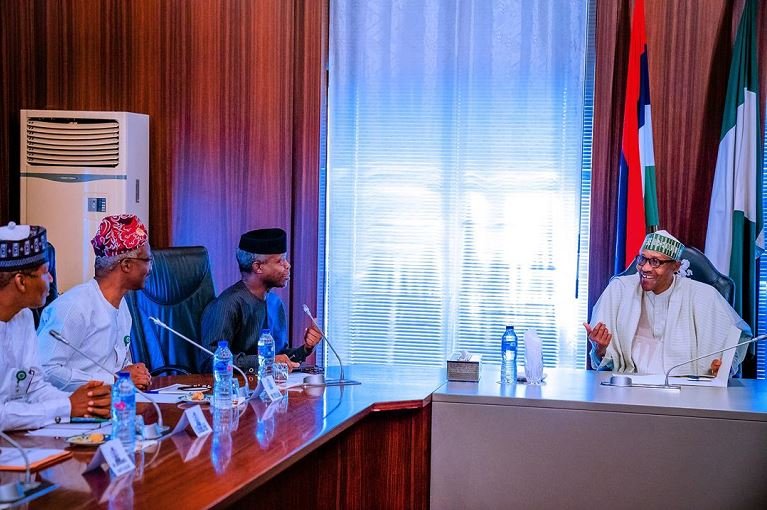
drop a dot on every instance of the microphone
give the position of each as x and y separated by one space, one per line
159 428
14 493
248 393
341 381
751 340
623 380
15 490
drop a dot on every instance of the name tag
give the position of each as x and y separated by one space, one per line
271 390
194 418
113 454
21 382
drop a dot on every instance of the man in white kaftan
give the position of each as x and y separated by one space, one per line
26 399
94 316
650 321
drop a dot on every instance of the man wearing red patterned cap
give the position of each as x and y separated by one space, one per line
94 316
26 399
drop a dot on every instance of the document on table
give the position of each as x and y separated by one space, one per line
70 429
181 389
12 460
160 398
295 379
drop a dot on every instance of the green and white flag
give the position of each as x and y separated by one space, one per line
735 236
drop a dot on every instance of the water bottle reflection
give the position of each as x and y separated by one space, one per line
224 422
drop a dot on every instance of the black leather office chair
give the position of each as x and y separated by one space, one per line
701 269
176 292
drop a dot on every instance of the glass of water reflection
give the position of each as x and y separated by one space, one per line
280 372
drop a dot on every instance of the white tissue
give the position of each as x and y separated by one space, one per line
533 357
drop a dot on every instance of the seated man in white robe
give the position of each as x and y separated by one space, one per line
648 322
94 316
26 399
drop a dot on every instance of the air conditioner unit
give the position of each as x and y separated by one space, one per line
76 168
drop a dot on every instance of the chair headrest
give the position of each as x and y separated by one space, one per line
165 286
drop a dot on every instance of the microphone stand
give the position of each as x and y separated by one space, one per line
14 492
341 381
668 372
248 393
159 428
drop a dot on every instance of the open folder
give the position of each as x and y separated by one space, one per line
12 460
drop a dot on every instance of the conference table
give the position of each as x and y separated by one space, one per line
575 443
407 438
362 446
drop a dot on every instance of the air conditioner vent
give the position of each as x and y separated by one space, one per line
73 142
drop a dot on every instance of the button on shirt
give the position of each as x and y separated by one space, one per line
27 400
84 317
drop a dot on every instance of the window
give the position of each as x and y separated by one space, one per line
458 178
761 318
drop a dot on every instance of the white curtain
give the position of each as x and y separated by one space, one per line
456 193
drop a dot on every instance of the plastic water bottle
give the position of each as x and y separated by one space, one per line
265 353
222 376
124 411
509 356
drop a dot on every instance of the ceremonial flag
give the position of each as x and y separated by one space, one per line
637 196
735 235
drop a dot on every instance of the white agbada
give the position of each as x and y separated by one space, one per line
90 322
28 400
698 320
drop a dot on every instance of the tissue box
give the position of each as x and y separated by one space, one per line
467 370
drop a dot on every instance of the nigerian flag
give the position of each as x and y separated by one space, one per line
735 237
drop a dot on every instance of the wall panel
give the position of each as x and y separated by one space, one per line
216 78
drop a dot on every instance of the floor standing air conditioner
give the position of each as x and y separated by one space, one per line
76 168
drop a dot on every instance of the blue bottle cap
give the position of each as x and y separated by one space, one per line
266 331
123 375
223 343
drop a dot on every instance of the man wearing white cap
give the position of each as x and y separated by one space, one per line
27 400
655 319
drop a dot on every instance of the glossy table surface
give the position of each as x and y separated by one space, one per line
563 388
246 449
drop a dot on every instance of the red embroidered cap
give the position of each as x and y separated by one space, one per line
119 234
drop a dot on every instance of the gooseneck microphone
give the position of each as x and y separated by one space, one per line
160 323
751 340
160 428
341 381
14 491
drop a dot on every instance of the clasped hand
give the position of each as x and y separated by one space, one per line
92 399
140 375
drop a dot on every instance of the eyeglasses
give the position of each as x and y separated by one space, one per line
148 259
654 263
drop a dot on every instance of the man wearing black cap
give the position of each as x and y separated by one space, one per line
27 400
244 309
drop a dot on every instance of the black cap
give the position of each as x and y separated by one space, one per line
264 241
